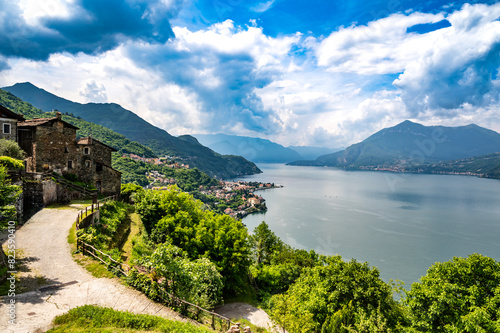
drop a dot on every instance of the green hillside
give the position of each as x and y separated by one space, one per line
127 123
487 166
103 134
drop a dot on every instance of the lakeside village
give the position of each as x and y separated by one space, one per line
234 198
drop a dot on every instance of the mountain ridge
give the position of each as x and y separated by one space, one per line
408 144
127 123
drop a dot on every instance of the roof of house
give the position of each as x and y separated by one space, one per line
42 121
90 140
6 113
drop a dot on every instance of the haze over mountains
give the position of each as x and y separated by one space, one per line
409 144
259 150
125 122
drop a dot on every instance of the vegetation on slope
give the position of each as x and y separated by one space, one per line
91 318
103 134
127 123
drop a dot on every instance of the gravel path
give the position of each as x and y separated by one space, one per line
236 311
43 243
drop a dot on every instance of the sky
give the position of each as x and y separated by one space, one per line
323 73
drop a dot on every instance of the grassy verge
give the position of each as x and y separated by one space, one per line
92 266
90 318
136 228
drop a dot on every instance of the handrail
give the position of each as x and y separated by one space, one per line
81 244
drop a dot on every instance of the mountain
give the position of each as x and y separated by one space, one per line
487 166
127 123
105 135
253 149
311 153
409 144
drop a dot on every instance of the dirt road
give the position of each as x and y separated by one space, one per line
43 243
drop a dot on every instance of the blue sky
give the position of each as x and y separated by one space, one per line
316 72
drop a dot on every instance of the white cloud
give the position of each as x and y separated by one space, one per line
34 10
263 6
93 92
381 47
459 67
234 79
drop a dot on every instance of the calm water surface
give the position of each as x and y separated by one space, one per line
401 223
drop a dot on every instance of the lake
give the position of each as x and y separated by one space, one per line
400 223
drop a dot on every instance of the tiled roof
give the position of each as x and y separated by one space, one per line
4 112
90 140
43 121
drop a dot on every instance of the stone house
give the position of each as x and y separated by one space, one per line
8 124
51 145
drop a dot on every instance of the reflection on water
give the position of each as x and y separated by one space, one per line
401 227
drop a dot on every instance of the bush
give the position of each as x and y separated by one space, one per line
11 163
11 148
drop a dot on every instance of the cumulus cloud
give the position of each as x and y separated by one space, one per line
92 92
462 67
223 66
294 89
441 71
88 26
381 47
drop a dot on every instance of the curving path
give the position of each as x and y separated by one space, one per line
42 241
254 315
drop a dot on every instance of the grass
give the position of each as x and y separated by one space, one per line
92 266
91 318
136 227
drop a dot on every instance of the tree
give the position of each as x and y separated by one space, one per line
196 281
8 195
264 243
335 297
461 295
11 148
175 217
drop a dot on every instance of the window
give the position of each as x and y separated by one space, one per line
70 164
66 150
98 167
87 164
6 128
86 151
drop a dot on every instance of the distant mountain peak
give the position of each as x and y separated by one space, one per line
410 143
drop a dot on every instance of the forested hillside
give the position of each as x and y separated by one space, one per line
86 128
127 123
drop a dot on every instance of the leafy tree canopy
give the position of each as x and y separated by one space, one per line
337 296
8 195
461 295
174 217
196 281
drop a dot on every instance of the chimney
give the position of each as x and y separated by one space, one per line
58 115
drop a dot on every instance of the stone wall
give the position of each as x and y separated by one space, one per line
32 198
54 147
38 194
13 129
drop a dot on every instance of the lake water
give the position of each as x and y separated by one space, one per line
401 223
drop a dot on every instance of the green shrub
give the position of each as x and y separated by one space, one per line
11 163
